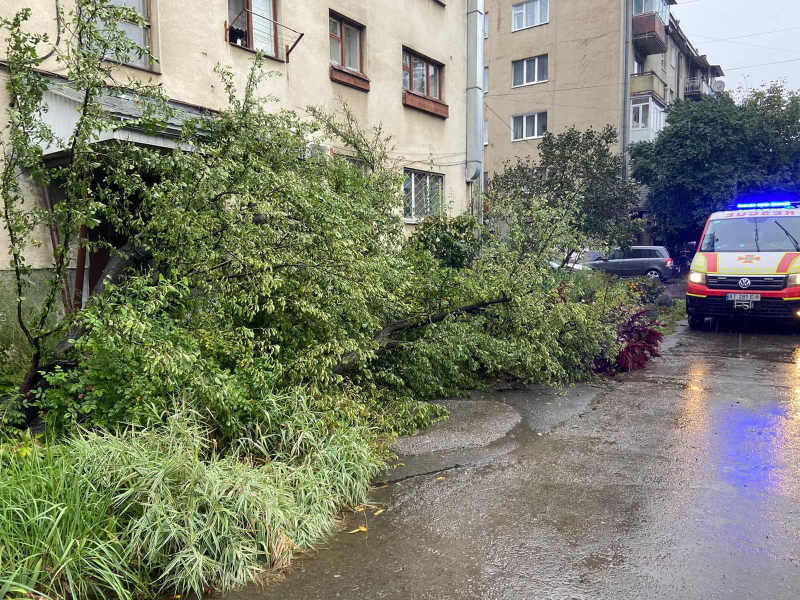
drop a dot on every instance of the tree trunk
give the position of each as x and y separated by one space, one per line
383 337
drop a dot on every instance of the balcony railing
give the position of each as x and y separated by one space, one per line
262 34
649 34
697 85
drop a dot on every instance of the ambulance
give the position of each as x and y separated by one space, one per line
747 264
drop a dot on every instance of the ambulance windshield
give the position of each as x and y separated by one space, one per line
753 234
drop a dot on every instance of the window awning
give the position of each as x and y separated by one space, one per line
62 102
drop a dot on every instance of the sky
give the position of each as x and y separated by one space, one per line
707 22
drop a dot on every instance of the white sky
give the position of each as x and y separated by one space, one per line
706 21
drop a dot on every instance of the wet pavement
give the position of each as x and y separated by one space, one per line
679 482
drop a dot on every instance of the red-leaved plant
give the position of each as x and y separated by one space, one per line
641 342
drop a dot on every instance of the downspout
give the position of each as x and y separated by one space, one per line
475 59
626 93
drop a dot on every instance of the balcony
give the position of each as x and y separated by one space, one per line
649 83
649 34
258 33
696 87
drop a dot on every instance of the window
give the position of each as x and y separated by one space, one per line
253 24
485 80
138 35
638 66
423 194
673 55
485 25
486 133
530 14
646 113
530 70
663 61
528 127
640 113
422 76
345 38
660 7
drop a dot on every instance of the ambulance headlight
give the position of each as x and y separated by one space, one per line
697 277
794 280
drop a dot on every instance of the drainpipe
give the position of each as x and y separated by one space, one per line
475 58
626 93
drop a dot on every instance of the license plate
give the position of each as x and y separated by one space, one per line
743 297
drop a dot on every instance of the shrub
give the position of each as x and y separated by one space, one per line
646 289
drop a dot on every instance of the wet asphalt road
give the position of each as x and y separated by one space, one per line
678 482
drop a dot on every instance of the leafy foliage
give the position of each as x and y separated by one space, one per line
716 150
263 326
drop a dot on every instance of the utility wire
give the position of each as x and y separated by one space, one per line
777 62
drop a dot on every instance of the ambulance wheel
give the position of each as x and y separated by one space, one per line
696 322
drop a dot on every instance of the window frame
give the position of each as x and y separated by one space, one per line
524 62
146 62
486 25
428 64
524 118
345 22
250 37
537 22
485 80
656 116
412 217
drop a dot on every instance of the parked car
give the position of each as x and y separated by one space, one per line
650 261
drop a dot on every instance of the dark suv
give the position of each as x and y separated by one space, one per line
650 261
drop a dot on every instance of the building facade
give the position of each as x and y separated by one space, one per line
415 69
555 64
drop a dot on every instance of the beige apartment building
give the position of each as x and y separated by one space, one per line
413 66
555 64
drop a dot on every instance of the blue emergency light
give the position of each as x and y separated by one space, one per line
768 200
763 205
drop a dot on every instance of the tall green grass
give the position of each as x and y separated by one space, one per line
147 511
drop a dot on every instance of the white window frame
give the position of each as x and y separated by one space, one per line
525 118
412 216
673 55
540 10
656 116
486 133
485 80
486 25
525 80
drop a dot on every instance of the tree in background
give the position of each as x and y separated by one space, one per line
715 151
577 182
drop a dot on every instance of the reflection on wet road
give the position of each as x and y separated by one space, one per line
678 482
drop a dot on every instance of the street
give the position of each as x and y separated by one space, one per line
678 482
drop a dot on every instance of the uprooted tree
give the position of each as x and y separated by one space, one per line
241 261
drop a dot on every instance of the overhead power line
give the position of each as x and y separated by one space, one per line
777 62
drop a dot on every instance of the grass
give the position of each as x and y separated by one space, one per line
149 511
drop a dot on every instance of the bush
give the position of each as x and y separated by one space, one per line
646 289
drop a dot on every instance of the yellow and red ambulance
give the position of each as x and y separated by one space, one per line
747 264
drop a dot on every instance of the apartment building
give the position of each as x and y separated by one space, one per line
555 64
413 66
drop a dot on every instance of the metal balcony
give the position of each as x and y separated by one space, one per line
649 34
696 87
262 34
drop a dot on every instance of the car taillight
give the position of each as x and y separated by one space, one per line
670 262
